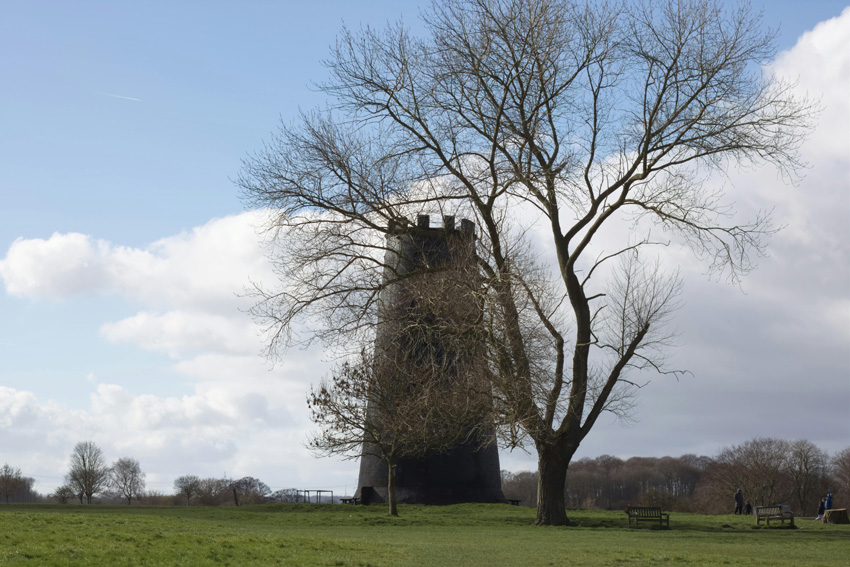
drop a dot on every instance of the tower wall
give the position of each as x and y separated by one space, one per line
468 472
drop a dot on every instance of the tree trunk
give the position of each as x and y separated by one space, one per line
391 499
552 463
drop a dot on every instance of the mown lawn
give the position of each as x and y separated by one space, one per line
465 535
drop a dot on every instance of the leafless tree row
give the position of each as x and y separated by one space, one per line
772 470
195 491
89 475
769 471
89 478
14 487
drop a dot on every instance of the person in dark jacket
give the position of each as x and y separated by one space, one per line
739 502
828 505
821 509
749 509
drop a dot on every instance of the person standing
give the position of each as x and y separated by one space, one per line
739 502
821 509
828 503
749 509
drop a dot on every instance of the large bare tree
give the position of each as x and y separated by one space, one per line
88 473
127 478
595 124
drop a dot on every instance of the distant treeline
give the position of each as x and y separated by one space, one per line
768 471
192 491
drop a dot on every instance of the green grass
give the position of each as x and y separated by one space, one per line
465 535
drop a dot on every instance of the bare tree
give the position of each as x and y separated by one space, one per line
759 467
808 467
187 486
249 490
284 495
64 493
127 479
583 120
75 489
393 405
11 482
213 491
88 473
840 466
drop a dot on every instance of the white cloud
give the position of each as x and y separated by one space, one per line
820 62
207 268
190 288
17 409
63 265
243 425
177 331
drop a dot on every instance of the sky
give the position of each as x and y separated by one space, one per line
125 250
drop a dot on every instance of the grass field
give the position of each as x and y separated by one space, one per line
466 535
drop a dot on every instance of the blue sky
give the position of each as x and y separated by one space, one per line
123 245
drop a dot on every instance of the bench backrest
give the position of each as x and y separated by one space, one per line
645 512
768 510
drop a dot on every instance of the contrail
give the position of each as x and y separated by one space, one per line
118 96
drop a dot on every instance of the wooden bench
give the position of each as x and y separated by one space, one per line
768 513
354 501
647 514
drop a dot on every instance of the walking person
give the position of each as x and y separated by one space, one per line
739 502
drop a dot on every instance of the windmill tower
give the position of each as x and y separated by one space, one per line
467 472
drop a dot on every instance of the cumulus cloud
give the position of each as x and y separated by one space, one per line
206 268
179 331
17 409
242 426
191 290
820 64
63 265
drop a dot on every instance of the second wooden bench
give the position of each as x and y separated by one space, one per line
647 514
768 513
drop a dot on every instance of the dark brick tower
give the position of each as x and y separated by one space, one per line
467 473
